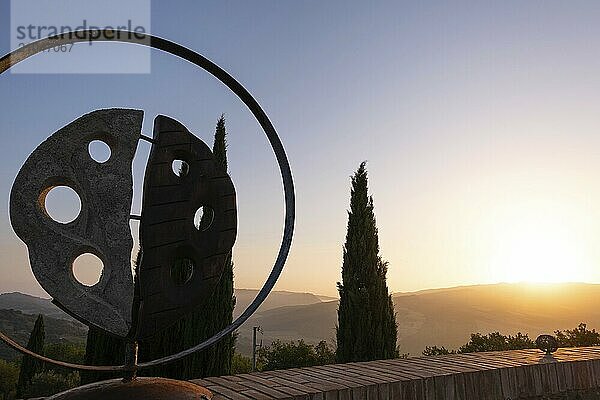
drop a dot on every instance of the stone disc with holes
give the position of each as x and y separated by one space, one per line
102 226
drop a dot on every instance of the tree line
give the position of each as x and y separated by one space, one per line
580 336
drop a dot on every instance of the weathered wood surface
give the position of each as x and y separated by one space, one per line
478 376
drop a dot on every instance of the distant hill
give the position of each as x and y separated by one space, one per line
431 317
447 316
312 322
35 305
30 305
276 299
18 312
327 298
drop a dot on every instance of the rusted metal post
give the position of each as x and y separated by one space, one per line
131 361
254 329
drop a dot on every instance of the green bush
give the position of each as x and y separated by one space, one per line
9 375
437 351
496 342
240 364
66 351
578 337
283 355
49 382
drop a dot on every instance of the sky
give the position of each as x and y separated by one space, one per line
478 122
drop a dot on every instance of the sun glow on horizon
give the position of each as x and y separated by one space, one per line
539 246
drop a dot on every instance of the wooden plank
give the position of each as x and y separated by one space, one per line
228 393
256 395
393 371
360 393
460 391
596 372
507 388
471 385
373 371
261 378
536 373
491 387
273 393
395 390
362 379
560 375
427 389
225 383
347 383
372 392
383 391
297 394
444 387
581 375
296 386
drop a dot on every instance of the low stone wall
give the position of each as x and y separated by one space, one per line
572 373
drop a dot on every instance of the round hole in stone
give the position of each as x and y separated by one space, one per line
203 218
62 204
182 271
99 151
180 168
87 269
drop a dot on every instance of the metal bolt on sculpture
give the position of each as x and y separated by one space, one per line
124 305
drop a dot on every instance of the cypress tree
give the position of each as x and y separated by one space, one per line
220 143
102 349
30 366
367 328
215 315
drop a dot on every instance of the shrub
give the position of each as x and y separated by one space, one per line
240 364
283 355
50 382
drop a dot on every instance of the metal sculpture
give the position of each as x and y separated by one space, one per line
169 239
547 343
168 236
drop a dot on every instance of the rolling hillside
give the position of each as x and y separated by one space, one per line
30 305
19 325
440 316
18 312
447 316
276 299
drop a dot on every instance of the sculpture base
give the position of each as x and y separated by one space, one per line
140 388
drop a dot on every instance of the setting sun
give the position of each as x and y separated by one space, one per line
539 248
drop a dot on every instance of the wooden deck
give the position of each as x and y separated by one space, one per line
478 376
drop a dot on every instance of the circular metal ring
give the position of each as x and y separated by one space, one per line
175 49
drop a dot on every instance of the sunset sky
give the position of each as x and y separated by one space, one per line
479 122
